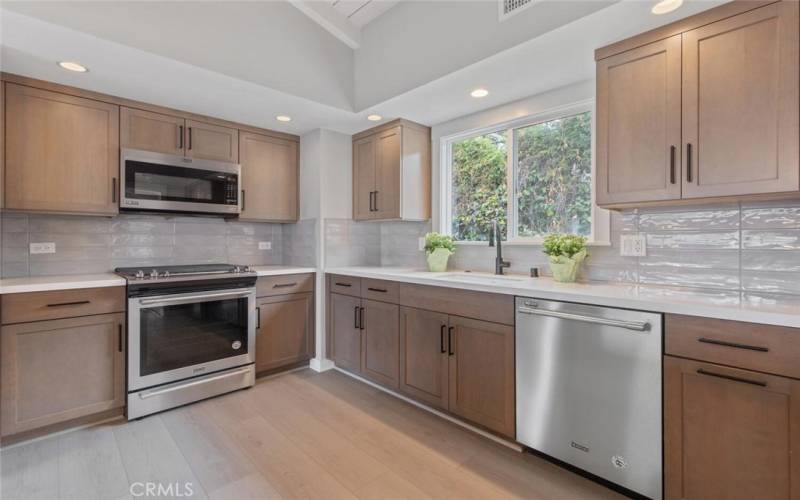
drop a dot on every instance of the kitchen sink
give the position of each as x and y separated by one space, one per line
487 279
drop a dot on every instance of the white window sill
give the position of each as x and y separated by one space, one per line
526 243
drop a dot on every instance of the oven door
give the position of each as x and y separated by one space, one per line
156 181
179 336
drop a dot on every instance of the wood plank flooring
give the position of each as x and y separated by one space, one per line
301 435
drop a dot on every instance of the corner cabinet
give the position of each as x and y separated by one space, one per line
392 172
61 152
270 187
710 112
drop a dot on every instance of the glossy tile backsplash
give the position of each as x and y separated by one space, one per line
95 244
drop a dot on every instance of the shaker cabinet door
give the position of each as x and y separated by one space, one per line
639 124
729 433
61 152
211 142
387 174
740 104
345 333
423 355
380 342
151 131
364 161
269 178
284 335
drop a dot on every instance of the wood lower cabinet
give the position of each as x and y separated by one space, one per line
61 152
284 334
423 356
380 342
269 178
729 433
345 332
150 131
59 370
211 142
481 373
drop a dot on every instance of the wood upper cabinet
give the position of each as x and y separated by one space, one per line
729 433
345 332
269 178
380 342
58 370
703 109
211 142
391 172
639 124
61 152
149 131
481 373
285 327
423 355
740 104
364 161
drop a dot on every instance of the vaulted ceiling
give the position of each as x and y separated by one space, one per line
249 61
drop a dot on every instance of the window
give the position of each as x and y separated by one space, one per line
533 176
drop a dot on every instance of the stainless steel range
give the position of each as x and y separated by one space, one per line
191 334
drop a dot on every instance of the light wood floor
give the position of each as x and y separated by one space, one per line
300 435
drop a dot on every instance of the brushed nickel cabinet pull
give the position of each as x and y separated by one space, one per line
735 345
76 303
732 378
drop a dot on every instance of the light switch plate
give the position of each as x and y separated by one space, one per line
265 245
633 245
44 247
421 244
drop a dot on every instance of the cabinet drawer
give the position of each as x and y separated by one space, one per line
764 348
385 291
38 306
346 285
284 285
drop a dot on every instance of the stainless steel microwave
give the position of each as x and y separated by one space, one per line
170 183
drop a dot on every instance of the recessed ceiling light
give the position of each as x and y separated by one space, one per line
665 6
283 118
73 66
374 118
479 93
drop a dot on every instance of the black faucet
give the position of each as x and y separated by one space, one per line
499 263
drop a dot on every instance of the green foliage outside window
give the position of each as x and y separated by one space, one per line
552 180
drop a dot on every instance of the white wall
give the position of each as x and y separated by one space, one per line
417 42
337 176
501 114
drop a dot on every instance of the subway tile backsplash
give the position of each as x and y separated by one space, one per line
95 245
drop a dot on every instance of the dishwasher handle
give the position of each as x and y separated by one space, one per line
639 326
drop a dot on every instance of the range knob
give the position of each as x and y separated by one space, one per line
247 269
154 274
139 274
237 269
165 274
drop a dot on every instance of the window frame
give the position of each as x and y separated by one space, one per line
600 228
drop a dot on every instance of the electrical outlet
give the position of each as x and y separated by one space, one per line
265 245
45 247
421 244
632 245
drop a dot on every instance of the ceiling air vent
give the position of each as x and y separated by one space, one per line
510 8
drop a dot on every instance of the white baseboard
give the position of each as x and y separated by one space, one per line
321 365
509 444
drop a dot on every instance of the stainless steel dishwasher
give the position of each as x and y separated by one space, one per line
589 389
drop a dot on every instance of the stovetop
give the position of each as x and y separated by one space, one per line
198 271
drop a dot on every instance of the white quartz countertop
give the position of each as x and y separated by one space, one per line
69 282
783 311
281 270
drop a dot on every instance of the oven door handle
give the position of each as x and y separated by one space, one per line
177 387
193 298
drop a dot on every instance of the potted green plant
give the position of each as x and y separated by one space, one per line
438 248
566 252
